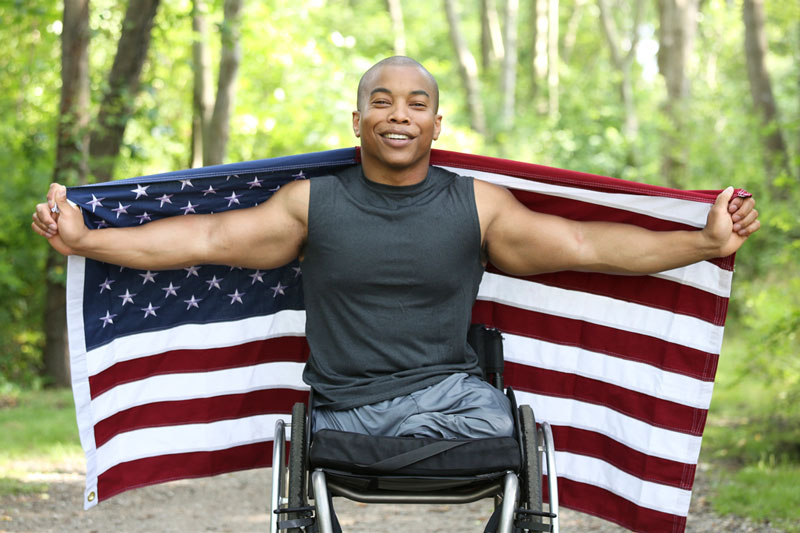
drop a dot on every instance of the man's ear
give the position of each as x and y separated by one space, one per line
357 123
437 126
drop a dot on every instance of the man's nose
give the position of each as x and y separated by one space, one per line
399 115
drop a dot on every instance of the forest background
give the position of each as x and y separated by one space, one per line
694 94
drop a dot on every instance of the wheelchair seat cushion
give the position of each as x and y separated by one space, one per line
365 454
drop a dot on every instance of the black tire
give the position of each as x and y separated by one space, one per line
532 485
297 460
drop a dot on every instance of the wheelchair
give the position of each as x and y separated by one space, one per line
374 469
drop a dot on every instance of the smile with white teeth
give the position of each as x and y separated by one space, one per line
397 136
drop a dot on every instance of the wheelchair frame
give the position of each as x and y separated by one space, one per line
289 510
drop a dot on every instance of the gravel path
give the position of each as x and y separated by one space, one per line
237 503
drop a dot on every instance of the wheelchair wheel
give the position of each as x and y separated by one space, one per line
297 459
532 485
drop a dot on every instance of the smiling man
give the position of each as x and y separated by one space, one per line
392 253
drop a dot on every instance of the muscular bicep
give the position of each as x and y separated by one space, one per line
520 241
266 236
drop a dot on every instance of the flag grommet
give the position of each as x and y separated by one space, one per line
90 496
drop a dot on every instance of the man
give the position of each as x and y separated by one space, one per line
392 253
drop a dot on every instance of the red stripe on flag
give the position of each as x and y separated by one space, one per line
293 349
655 411
593 500
596 338
644 290
561 176
635 463
162 468
198 411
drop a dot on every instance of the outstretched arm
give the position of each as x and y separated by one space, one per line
523 242
267 236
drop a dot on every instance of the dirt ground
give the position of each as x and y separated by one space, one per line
238 503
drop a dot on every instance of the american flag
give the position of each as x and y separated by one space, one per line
183 373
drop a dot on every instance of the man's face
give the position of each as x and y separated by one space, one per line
398 122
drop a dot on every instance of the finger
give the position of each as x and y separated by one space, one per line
55 190
744 208
44 219
747 221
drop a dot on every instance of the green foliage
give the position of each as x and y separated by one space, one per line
767 492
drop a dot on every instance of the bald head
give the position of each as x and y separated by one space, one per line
394 61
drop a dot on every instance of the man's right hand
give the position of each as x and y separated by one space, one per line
61 225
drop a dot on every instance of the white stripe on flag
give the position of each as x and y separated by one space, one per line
197 337
597 472
168 440
187 386
683 211
631 432
632 375
704 275
602 310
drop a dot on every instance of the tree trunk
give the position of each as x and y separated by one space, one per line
395 9
508 83
539 38
676 35
491 36
571 32
755 44
123 84
70 168
216 141
552 59
468 69
623 63
203 100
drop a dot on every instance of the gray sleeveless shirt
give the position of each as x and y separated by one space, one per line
390 275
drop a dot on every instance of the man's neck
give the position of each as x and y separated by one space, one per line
396 177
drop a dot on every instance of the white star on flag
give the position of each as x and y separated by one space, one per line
150 309
108 319
186 183
188 208
232 199
170 290
149 276
121 209
106 285
140 191
214 282
257 276
102 224
297 271
144 217
127 297
255 183
192 271
165 199
210 190
278 289
236 296
95 202
192 302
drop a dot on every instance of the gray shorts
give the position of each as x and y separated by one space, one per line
460 406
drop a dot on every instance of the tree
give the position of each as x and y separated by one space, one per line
468 68
676 36
70 167
755 45
622 62
123 85
508 80
491 36
215 141
395 9
203 97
